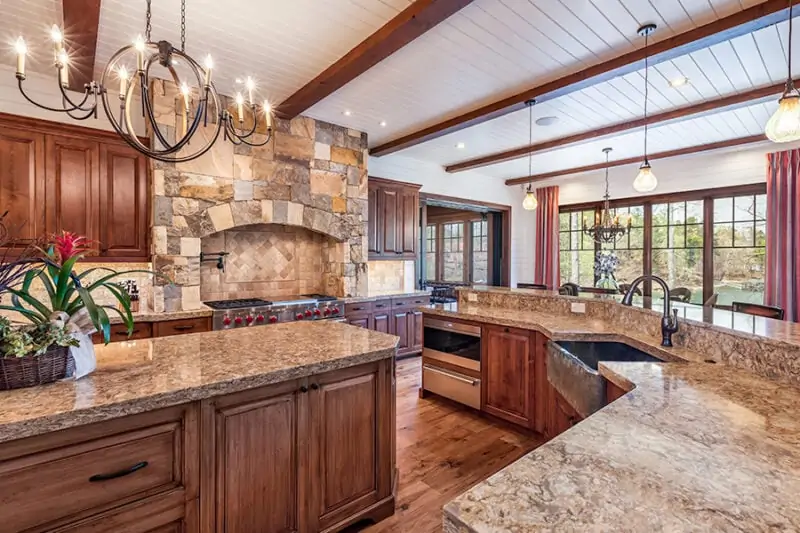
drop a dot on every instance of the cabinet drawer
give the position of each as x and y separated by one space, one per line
454 385
179 327
356 308
410 302
52 485
119 332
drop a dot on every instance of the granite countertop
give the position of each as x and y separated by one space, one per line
152 316
693 447
138 376
383 295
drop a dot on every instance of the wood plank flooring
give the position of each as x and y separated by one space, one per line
442 450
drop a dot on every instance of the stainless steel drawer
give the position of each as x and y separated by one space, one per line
456 386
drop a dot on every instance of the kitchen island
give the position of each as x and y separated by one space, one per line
287 427
691 444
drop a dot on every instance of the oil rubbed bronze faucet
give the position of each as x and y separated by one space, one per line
669 321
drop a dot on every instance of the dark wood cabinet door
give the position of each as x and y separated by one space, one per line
400 328
362 321
415 330
123 206
380 322
72 187
348 443
542 390
22 178
374 221
408 223
390 235
257 479
507 367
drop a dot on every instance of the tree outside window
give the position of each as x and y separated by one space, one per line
480 251
453 252
430 252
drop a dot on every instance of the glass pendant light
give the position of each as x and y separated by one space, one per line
784 125
645 181
530 202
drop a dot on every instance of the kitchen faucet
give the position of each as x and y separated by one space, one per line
669 321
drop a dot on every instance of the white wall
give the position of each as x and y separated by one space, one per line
469 186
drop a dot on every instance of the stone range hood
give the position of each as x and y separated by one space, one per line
312 175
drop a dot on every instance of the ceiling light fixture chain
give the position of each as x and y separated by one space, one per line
131 68
645 180
606 229
784 125
530 202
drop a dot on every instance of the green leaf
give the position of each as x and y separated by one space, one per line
63 282
95 314
30 315
30 300
125 318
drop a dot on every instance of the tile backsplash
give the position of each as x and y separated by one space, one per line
267 260
391 276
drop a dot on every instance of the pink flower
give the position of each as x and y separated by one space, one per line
68 244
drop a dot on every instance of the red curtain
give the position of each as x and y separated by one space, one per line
783 233
546 267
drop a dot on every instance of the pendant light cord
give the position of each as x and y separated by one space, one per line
530 138
789 79
646 87
147 25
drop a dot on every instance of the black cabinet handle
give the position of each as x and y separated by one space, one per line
506 330
183 328
303 389
314 386
122 473
380 305
126 333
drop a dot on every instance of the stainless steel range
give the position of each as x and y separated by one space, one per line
248 312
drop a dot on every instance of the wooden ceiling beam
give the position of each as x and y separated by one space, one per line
743 22
409 24
658 118
81 23
638 159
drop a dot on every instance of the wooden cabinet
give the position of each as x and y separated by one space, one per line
393 227
507 373
395 316
22 179
182 326
399 327
415 330
61 177
380 316
307 455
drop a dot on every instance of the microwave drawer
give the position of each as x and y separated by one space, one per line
456 386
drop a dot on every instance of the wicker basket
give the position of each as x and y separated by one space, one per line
32 370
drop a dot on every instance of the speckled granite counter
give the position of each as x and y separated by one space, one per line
152 316
139 376
382 296
691 448
694 446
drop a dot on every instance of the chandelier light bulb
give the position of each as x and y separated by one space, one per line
63 68
530 203
21 49
56 35
63 58
645 181
240 107
122 72
209 64
784 125
268 113
250 84
139 43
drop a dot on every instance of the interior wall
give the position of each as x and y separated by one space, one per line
469 185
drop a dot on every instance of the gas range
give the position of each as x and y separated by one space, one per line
248 312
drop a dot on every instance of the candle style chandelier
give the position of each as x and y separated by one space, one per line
606 229
131 66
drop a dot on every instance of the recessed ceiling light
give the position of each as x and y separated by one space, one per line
461 146
382 124
546 121
678 82
347 112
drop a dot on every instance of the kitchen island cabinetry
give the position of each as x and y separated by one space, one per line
508 374
398 316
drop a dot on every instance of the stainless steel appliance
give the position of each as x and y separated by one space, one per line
451 360
248 312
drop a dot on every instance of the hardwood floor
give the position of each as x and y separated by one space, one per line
442 450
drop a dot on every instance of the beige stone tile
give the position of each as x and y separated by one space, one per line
190 246
322 151
266 211
218 161
295 216
328 183
158 183
221 216
346 156
190 298
243 167
159 240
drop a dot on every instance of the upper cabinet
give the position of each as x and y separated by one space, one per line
56 177
393 219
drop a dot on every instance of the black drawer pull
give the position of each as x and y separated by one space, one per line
114 475
380 305
303 389
134 332
314 386
359 308
506 330
183 328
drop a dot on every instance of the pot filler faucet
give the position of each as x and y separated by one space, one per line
669 321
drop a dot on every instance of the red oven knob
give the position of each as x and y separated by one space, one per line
335 310
273 319
260 318
308 313
238 320
327 311
249 319
299 316
226 321
317 312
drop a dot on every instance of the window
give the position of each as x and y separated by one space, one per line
677 233
629 249
740 231
430 252
453 252
577 250
480 251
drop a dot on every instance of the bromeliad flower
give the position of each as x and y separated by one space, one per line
67 245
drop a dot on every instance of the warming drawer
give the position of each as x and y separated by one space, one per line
456 386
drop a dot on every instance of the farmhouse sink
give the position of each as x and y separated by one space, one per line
572 370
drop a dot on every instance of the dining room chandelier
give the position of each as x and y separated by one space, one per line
606 229
784 125
130 68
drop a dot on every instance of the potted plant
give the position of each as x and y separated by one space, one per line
61 323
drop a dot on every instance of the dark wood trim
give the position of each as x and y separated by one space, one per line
666 116
404 28
59 128
647 253
464 201
393 183
743 22
81 22
708 247
696 194
631 160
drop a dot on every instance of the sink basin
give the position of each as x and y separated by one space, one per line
572 370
